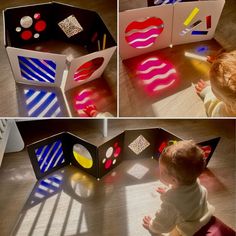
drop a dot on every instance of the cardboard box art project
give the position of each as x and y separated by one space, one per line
38 39
166 23
65 148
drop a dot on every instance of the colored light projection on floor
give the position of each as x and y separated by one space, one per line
82 185
46 188
112 154
156 75
85 71
42 103
50 156
139 145
38 70
28 29
143 33
138 171
189 19
82 156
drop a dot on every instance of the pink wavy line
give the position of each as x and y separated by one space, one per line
155 72
143 44
138 35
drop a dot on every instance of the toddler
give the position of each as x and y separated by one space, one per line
220 97
184 209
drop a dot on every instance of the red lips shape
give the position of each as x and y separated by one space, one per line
143 34
87 69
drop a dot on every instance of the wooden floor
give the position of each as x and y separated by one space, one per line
181 102
80 205
10 107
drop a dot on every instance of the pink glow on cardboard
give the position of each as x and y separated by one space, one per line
143 33
156 75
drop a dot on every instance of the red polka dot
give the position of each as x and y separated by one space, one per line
40 26
108 164
117 152
26 35
37 16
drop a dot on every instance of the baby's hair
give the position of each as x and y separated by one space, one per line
184 161
223 74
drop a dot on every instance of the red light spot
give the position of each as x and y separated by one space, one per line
108 163
162 146
26 35
117 152
206 150
115 145
40 26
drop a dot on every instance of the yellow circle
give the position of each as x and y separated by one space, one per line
82 156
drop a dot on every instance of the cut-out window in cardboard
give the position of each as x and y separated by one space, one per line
143 33
85 71
59 150
42 32
37 70
179 22
70 26
139 145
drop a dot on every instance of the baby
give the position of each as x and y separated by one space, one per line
184 209
220 97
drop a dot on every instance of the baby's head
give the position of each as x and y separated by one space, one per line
223 78
181 163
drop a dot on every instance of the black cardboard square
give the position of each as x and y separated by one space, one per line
142 141
12 17
110 154
164 139
88 162
48 152
209 147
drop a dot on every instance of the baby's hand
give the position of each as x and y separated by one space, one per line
147 222
200 86
161 190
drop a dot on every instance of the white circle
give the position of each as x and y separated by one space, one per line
18 29
104 160
36 35
26 21
109 152
114 162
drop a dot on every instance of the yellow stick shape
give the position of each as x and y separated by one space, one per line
191 16
99 48
104 41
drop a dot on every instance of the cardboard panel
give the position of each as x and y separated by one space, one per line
87 68
48 155
28 24
209 147
165 138
140 143
110 154
37 68
82 154
144 30
195 21
40 101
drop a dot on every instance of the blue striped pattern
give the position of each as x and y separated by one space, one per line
38 70
46 188
42 103
162 2
50 156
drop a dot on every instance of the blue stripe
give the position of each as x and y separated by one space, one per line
56 180
25 76
198 32
48 185
51 63
60 151
52 110
44 105
26 70
39 150
30 93
40 64
34 68
50 156
44 154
